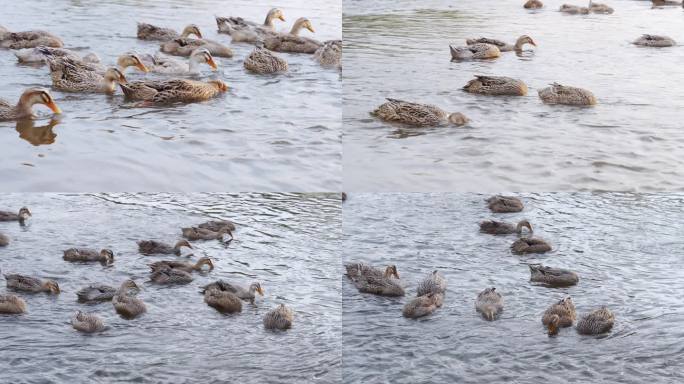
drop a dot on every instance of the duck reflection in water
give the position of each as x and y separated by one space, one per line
37 134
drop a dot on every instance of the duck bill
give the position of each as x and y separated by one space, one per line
310 28
261 291
54 109
281 17
533 43
213 65
142 67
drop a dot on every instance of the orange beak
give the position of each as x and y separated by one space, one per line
142 67
310 28
212 63
261 291
53 107
281 17
533 43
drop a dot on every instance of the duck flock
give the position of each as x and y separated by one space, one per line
484 48
489 303
224 296
71 72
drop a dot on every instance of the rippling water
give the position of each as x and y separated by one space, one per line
270 133
626 248
629 141
288 242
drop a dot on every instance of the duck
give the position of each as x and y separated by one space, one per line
21 217
153 247
244 31
422 305
280 318
167 65
496 86
600 8
560 314
665 3
182 265
561 94
28 39
247 294
526 245
223 301
489 303
494 227
574 9
370 280
503 46
104 256
168 275
71 66
96 293
39 55
552 277
196 233
152 32
128 307
31 284
655 41
504 204
359 270
262 61
70 76
173 91
24 108
184 46
292 42
217 225
533 4
478 51
87 322
596 322
329 54
12 305
4 240
417 115
434 282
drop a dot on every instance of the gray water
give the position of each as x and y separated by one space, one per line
626 248
629 141
267 133
288 242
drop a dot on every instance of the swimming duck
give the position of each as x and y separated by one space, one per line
182 265
329 54
494 227
596 322
223 301
371 280
244 31
71 76
655 41
552 277
12 305
527 245
4 240
358 270
31 284
164 64
292 42
71 66
247 294
87 322
434 282
104 256
152 247
28 39
196 233
418 115
496 86
561 94
39 55
574 9
21 217
600 8
96 293
24 108
479 51
168 275
422 305
664 3
504 204
128 307
533 4
489 303
217 225
560 314
184 46
503 46
151 32
279 318
263 61
172 91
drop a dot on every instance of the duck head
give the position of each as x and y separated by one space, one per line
191 29
522 40
256 287
204 261
131 60
524 224
391 270
202 55
51 286
554 325
35 96
107 256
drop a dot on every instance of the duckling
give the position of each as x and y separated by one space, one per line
164 64
367 280
217 225
172 91
489 303
96 293
151 32
247 294
527 245
12 305
503 46
128 307
561 94
152 247
244 31
31 284
184 266
24 108
223 301
422 305
418 115
263 61
279 318
665 3
494 227
596 322
168 275
496 86
533 4
28 39
329 54
552 277
104 256
184 46
504 204
433 283
560 314
71 76
21 217
195 233
479 51
4 240
655 41
292 42
87 322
